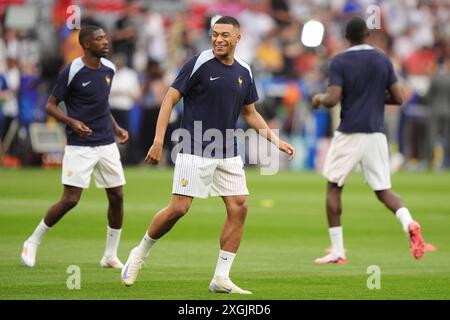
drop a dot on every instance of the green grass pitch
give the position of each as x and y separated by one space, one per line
285 230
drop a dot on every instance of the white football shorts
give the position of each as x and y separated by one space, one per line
201 177
80 162
370 150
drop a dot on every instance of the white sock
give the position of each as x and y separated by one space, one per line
145 245
224 262
112 241
404 217
38 233
337 241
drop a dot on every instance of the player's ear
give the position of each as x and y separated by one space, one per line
88 41
238 38
86 44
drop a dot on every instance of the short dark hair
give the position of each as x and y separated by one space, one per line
228 20
356 29
86 32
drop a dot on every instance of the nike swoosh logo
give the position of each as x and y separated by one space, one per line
84 84
214 287
212 79
125 274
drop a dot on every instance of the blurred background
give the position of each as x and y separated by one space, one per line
150 40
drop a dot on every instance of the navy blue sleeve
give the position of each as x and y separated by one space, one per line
184 81
3 83
60 88
392 78
252 94
336 74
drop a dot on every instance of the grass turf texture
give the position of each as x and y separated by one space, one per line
285 230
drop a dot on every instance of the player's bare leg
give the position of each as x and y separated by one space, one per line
334 206
166 218
69 199
162 223
115 207
334 211
390 199
114 229
230 240
394 203
233 227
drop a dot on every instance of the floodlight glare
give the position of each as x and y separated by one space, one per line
312 34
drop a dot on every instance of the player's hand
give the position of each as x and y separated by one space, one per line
154 153
317 100
80 128
122 134
288 149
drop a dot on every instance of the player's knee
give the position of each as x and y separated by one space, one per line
240 208
115 196
243 207
379 195
382 195
334 190
178 210
70 201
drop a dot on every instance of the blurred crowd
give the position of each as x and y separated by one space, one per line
150 40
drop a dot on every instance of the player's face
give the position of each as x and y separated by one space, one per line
224 39
99 43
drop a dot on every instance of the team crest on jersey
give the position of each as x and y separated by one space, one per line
240 81
184 182
69 173
108 80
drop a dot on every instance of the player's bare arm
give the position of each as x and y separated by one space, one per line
5 94
170 100
78 126
256 121
120 132
328 99
395 94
